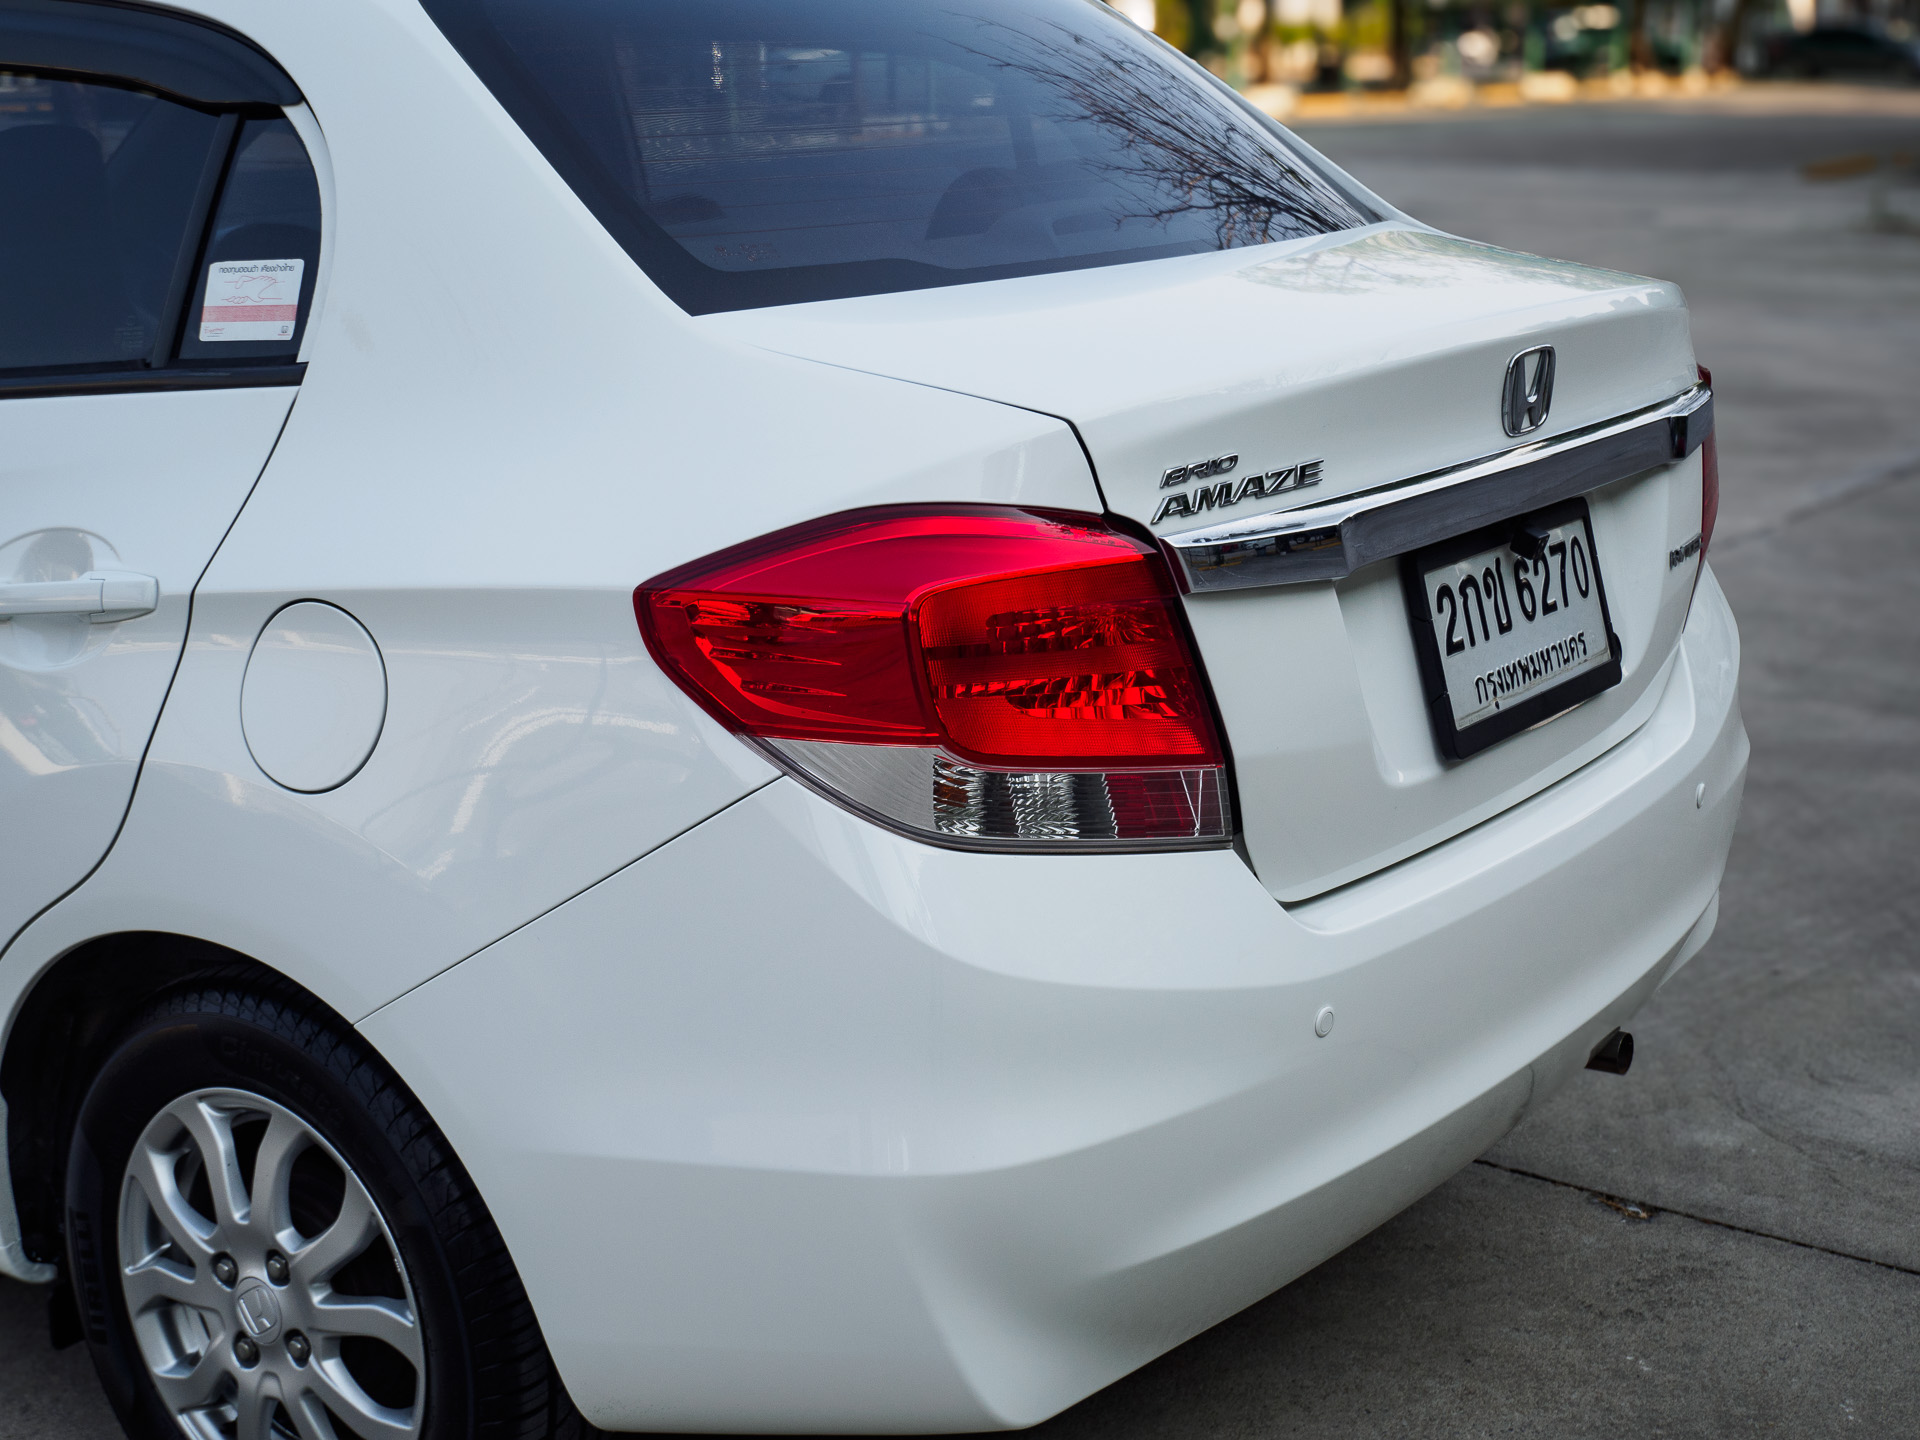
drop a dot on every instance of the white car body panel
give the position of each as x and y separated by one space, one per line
530 746
136 483
904 1137
1255 351
953 1165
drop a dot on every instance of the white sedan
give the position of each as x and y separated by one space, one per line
726 715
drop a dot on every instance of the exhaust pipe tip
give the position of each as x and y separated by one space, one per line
1613 1054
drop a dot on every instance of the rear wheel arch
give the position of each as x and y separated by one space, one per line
64 1027
117 1029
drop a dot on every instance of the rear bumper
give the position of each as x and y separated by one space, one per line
796 1125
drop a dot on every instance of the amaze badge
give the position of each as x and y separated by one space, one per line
1229 492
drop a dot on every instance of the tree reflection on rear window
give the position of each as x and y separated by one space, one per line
749 153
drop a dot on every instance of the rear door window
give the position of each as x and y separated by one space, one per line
99 185
761 152
253 288
149 242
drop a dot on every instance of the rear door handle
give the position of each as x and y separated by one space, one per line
101 595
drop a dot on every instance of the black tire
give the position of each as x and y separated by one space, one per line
487 1370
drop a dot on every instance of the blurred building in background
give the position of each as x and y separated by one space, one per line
1452 51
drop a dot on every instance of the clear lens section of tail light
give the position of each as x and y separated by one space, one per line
985 676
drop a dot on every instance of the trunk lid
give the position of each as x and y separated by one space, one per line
1379 354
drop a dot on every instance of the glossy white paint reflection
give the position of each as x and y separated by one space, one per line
905 1137
314 697
142 483
1382 354
974 1160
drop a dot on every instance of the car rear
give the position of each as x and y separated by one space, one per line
1156 892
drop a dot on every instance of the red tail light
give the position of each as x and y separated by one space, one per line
1709 480
985 673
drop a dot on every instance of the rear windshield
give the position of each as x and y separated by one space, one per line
762 152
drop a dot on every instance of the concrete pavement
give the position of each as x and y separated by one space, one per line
1726 1241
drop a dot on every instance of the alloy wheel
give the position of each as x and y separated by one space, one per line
266 1293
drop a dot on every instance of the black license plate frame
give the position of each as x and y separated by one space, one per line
1457 743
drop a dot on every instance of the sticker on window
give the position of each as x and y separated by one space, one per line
251 300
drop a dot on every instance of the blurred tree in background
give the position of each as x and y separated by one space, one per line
1203 39
1260 42
1321 44
1400 42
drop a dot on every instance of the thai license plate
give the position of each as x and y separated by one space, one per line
1511 626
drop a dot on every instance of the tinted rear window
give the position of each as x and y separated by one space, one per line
762 152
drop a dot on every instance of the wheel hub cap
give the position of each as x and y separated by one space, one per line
266 1294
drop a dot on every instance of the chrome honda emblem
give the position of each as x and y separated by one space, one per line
259 1310
1528 393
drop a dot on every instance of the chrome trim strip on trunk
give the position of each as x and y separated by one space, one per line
1332 540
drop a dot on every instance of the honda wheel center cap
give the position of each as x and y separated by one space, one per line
259 1310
